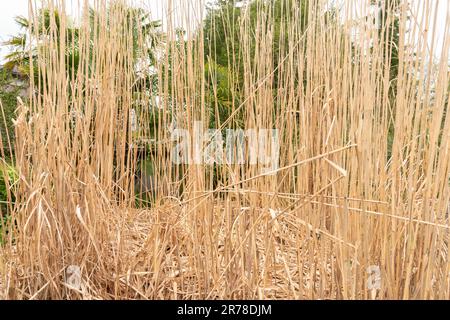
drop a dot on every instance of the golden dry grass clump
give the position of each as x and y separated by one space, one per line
363 176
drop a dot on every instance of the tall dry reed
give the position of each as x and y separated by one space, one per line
363 177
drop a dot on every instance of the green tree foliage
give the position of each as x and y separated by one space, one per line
389 33
8 98
390 30
33 33
24 49
223 49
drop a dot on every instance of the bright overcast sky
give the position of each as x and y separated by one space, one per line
189 9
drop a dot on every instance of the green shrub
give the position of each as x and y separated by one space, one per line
8 179
10 173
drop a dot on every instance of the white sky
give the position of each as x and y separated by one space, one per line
186 10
